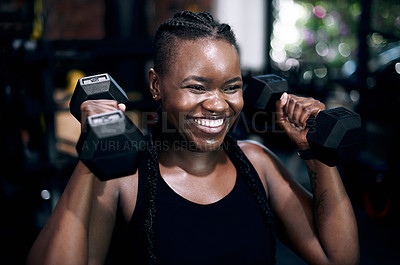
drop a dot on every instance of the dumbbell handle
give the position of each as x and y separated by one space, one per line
100 86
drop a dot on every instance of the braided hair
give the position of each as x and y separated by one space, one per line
187 25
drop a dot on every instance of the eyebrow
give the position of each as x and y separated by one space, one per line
207 80
196 78
233 80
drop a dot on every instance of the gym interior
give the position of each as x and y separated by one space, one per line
342 52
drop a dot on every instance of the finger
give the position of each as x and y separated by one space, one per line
91 107
104 102
122 106
294 106
280 104
302 106
311 110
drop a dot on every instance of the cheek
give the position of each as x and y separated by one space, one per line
177 102
176 107
237 104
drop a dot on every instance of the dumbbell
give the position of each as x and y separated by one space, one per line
335 136
110 144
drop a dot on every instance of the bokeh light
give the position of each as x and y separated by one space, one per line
319 11
316 33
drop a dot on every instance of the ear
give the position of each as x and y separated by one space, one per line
154 82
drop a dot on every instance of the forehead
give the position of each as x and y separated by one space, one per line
217 56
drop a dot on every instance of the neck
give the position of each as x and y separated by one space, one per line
193 162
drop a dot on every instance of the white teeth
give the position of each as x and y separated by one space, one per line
209 123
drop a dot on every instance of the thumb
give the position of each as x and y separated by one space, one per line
280 104
122 106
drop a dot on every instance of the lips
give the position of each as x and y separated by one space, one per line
208 122
209 125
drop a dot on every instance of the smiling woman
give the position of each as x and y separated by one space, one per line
201 94
199 196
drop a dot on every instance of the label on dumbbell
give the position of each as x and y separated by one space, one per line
94 79
340 112
107 124
105 119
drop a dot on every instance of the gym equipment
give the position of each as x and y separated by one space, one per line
335 136
110 144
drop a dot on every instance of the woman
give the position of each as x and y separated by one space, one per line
198 196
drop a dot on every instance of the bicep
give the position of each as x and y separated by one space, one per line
292 205
290 202
102 220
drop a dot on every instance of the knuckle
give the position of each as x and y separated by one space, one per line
308 111
293 100
84 106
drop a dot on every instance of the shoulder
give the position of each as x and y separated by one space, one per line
257 152
263 160
118 193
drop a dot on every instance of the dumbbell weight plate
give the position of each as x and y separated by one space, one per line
101 86
260 96
336 136
265 91
111 145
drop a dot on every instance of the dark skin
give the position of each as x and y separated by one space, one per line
202 97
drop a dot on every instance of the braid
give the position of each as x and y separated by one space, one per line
151 185
239 159
197 19
186 25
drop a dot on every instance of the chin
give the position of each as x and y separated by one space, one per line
207 145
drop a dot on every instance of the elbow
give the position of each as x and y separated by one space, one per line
350 258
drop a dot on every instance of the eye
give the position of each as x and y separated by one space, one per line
232 89
196 88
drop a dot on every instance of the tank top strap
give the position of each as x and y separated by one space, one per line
249 173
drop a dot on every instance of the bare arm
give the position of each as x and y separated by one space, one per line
81 225
63 239
321 227
333 214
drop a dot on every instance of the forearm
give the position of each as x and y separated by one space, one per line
334 218
64 238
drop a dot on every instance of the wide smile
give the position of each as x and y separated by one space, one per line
209 125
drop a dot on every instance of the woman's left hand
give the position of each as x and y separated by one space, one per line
292 113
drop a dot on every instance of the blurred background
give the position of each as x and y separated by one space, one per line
343 52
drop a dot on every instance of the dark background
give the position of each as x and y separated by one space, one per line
46 45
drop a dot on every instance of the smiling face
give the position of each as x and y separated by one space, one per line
201 93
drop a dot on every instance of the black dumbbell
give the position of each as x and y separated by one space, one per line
335 135
110 144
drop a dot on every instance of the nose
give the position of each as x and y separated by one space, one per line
215 102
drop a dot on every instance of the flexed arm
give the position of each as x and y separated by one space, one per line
65 237
322 227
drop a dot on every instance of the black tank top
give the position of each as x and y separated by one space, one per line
229 231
